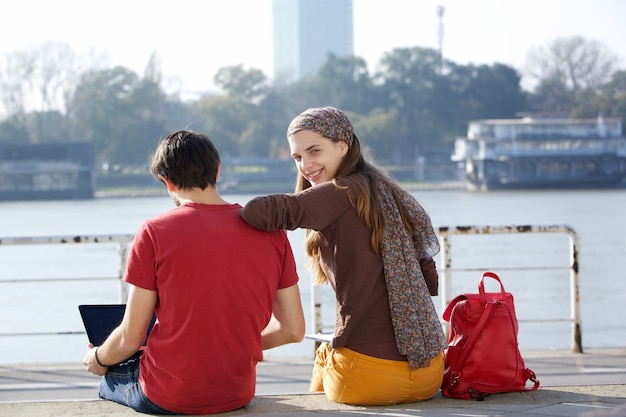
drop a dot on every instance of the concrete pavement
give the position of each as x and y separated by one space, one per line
592 384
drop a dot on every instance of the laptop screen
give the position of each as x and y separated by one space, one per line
101 319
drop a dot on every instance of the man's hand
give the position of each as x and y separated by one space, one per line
91 363
127 338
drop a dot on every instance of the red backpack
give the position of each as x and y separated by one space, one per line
483 357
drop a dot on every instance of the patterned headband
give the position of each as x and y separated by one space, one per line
327 121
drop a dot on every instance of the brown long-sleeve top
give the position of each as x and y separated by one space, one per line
363 321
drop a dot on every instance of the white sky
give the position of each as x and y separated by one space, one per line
194 38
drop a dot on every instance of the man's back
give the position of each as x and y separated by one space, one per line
216 278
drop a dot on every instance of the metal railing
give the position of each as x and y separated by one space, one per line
574 251
121 241
446 232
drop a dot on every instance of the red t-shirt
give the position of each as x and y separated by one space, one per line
216 279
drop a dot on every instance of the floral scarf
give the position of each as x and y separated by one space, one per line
418 331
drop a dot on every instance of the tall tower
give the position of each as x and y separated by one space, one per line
305 31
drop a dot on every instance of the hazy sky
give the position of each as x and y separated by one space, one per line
194 38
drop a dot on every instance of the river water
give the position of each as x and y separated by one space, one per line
541 287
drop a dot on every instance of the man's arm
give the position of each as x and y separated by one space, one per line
128 337
287 322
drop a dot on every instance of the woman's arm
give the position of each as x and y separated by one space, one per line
429 270
314 208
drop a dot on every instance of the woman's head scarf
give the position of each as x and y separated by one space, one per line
327 121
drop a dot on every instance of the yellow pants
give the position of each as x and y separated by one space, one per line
349 377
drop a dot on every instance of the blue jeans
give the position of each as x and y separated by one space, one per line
121 384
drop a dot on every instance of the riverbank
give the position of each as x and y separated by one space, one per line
260 189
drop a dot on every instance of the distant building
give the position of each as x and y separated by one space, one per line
46 171
543 153
305 31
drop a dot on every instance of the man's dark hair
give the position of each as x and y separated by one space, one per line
188 159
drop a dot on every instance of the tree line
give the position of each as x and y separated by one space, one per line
414 105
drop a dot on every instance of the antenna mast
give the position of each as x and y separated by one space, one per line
440 11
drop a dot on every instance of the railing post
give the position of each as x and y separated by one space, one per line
316 311
446 272
577 345
123 287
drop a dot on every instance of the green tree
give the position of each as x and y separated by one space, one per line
552 97
234 122
121 114
615 93
345 83
274 114
421 95
491 92
375 131
13 131
103 110
225 120
236 81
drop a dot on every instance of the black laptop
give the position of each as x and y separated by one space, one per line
101 319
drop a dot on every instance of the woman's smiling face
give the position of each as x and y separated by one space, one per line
317 157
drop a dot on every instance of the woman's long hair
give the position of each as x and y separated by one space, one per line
358 177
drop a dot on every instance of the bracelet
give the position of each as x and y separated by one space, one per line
95 353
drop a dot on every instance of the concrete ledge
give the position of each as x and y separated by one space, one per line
583 401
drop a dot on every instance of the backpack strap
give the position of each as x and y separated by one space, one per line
474 336
481 286
468 347
448 311
530 376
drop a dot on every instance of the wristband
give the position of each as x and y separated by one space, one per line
95 353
